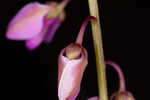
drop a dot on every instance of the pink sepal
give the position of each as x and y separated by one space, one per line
70 75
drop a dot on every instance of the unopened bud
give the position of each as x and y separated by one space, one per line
73 51
123 95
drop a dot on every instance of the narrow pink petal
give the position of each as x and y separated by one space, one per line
28 22
62 61
93 98
52 30
70 77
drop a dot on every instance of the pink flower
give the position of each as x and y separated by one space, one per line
72 63
36 22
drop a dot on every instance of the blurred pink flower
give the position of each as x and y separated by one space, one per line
36 22
72 63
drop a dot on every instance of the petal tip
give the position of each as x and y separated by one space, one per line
93 98
31 45
10 36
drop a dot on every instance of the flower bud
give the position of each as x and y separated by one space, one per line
72 63
122 95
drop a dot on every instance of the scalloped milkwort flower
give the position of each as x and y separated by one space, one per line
36 23
72 63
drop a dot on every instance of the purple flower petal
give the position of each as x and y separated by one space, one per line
52 30
46 34
34 42
28 22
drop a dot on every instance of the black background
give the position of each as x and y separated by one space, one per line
125 31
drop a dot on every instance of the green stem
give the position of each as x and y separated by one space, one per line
97 38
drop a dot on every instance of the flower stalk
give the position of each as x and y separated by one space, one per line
97 38
122 93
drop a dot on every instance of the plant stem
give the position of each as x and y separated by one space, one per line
97 38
